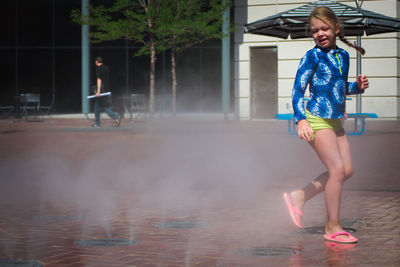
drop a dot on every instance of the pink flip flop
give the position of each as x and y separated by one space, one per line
335 237
295 213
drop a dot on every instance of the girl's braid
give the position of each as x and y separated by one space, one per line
344 40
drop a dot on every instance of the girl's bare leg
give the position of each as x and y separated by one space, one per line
334 151
301 196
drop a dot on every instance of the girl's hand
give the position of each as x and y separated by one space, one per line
362 82
304 130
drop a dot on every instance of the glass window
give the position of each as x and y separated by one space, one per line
139 75
189 91
163 73
8 33
7 82
67 33
35 22
68 81
211 77
35 73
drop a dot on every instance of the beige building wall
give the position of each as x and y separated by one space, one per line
381 63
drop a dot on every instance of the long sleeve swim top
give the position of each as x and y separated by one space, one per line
326 72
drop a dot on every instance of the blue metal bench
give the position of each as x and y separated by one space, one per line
357 116
290 118
362 117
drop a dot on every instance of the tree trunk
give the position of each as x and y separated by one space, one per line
152 76
174 81
146 6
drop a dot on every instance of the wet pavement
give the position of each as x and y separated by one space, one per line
187 192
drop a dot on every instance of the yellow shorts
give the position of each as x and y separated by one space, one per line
318 123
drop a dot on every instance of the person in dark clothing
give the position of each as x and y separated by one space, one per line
103 103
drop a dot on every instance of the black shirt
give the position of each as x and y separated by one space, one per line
103 73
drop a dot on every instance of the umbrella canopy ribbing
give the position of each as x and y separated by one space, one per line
293 23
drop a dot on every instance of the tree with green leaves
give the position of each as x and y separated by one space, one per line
135 20
159 25
184 23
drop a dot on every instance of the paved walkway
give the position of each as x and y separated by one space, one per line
187 193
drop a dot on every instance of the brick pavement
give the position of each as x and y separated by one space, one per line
221 183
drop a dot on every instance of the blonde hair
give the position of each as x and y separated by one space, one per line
326 15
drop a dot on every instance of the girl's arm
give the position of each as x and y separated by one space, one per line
305 72
357 87
362 83
304 130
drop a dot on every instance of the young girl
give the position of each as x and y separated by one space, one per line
325 69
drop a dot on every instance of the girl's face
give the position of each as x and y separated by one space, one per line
324 35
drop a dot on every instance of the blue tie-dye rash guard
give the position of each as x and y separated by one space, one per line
326 72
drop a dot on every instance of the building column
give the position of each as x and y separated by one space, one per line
226 63
85 60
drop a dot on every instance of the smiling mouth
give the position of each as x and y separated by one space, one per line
322 42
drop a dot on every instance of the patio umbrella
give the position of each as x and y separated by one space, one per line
354 20
293 23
